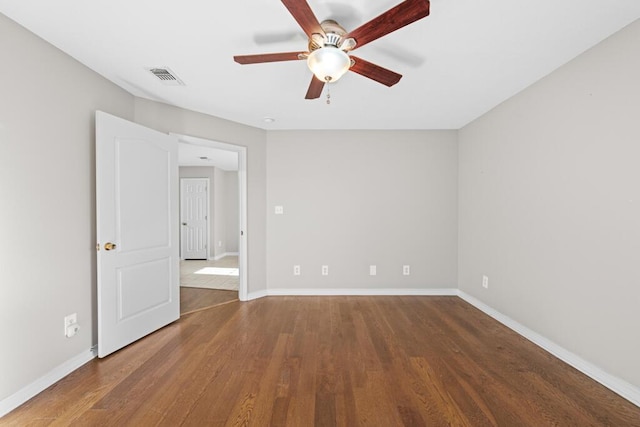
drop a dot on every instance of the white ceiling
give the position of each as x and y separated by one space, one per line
458 63
192 153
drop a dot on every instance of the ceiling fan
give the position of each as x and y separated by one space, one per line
329 44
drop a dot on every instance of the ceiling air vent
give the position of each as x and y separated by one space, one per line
166 76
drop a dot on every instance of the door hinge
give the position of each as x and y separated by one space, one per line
97 246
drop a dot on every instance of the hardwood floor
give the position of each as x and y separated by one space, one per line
196 299
324 361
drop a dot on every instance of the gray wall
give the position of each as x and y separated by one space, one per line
226 212
550 206
356 198
223 218
220 213
47 202
231 224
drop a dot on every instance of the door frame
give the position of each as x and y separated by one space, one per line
243 262
209 216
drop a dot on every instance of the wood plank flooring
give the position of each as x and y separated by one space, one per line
325 361
196 299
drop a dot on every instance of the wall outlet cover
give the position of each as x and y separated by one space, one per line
71 325
70 320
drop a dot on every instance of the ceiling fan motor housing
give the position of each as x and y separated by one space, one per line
333 32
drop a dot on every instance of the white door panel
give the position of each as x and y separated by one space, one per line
143 287
143 195
137 194
194 217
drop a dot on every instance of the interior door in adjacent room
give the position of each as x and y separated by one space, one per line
194 218
137 231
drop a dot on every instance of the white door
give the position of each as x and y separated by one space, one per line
137 231
194 214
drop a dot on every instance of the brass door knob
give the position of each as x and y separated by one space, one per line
109 246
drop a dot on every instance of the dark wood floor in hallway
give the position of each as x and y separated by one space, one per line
196 299
325 361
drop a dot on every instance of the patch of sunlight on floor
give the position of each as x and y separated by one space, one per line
219 271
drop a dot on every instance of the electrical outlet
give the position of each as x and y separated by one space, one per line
72 330
485 282
71 325
70 320
372 270
278 210
325 270
406 270
296 270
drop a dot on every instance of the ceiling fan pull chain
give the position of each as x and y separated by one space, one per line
328 95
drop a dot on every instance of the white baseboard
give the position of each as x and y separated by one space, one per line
219 257
362 291
613 383
21 396
257 294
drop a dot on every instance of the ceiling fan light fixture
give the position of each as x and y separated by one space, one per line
328 63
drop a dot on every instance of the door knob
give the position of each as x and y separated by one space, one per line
184 223
109 246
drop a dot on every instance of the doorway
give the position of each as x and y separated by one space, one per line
218 261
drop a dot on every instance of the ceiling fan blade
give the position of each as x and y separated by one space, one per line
269 57
315 88
395 18
305 17
374 72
